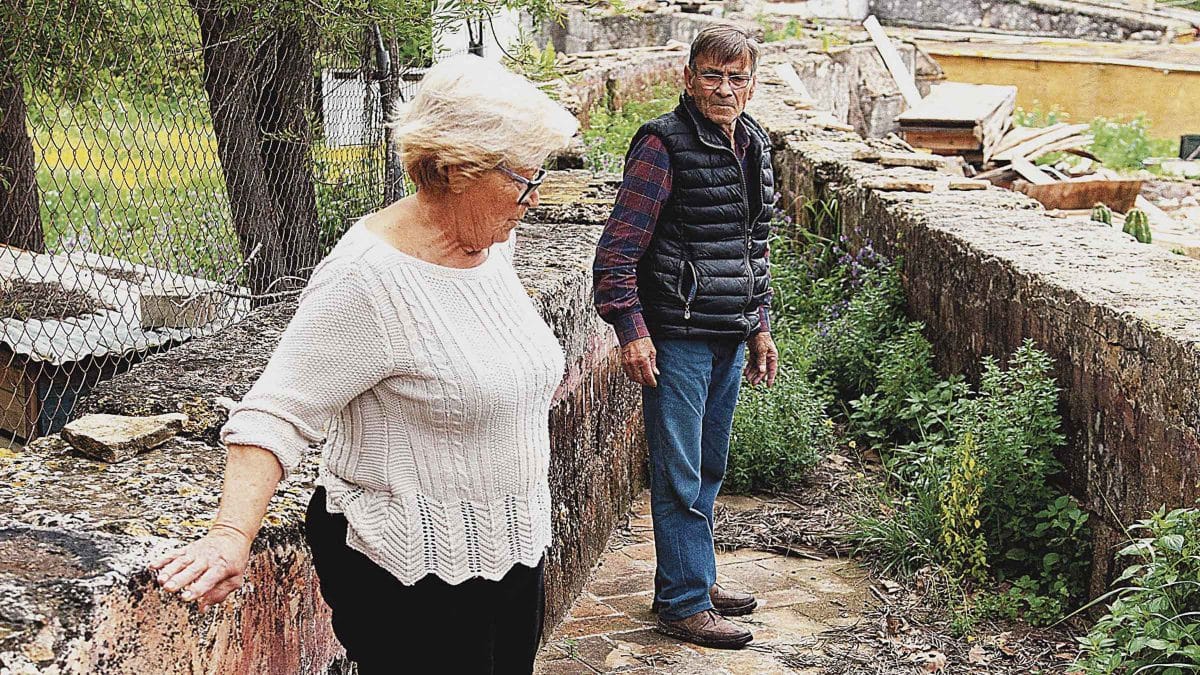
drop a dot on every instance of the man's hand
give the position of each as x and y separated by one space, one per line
763 360
206 571
638 361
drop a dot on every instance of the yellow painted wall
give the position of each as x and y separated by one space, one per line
1170 100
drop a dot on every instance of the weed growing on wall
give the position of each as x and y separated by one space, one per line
1151 625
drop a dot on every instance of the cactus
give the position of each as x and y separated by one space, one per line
1137 225
1102 214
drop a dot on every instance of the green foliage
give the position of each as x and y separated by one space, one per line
539 66
781 432
1124 144
961 537
1118 143
1151 625
1137 225
904 366
984 461
1102 214
609 131
792 30
1036 117
849 333
347 182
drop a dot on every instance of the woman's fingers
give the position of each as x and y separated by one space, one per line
187 575
221 591
213 576
182 558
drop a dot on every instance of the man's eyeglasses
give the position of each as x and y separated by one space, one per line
530 184
714 80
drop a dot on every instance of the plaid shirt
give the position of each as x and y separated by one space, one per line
627 234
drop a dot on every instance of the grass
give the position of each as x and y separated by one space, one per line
139 178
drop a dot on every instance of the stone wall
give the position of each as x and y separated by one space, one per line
987 269
1061 18
850 82
76 535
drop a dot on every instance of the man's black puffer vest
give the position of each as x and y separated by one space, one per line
704 274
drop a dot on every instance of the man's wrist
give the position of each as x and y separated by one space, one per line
630 327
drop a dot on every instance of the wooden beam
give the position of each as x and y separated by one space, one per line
1031 172
891 59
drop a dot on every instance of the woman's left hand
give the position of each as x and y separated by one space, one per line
207 570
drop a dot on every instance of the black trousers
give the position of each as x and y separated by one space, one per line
478 626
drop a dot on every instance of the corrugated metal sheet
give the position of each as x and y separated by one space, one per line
108 332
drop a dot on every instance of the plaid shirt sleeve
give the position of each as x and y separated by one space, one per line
627 234
764 311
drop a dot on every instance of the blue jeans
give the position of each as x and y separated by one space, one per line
688 420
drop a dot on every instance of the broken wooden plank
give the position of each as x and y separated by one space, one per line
787 73
891 59
1119 195
1024 149
1030 172
1156 216
1018 135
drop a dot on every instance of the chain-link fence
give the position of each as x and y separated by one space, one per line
165 166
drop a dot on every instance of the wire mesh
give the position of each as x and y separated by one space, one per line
162 171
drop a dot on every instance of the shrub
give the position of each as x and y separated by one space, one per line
606 140
845 348
905 366
1151 625
781 432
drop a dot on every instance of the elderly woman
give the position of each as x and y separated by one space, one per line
417 354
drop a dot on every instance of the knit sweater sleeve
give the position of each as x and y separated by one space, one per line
335 348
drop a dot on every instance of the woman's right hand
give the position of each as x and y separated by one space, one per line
207 570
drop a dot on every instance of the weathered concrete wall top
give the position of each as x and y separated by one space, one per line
1060 18
76 535
986 269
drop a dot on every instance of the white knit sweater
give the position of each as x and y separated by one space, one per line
431 387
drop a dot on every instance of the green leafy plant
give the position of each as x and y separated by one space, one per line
792 30
779 433
1152 625
609 131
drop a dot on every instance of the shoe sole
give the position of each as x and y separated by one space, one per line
737 643
740 610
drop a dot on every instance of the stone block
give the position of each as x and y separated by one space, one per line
116 438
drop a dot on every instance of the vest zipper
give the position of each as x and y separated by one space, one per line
746 246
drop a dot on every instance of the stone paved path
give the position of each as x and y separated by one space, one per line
610 626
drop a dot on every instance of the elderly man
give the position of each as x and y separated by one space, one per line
681 272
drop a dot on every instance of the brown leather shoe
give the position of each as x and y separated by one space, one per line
731 603
707 629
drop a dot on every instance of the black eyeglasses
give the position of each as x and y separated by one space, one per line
530 184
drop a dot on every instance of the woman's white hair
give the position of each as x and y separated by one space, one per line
473 114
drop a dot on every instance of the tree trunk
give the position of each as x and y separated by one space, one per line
259 95
20 217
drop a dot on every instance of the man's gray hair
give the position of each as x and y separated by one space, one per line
724 43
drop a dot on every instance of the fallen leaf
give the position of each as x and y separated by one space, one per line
978 655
